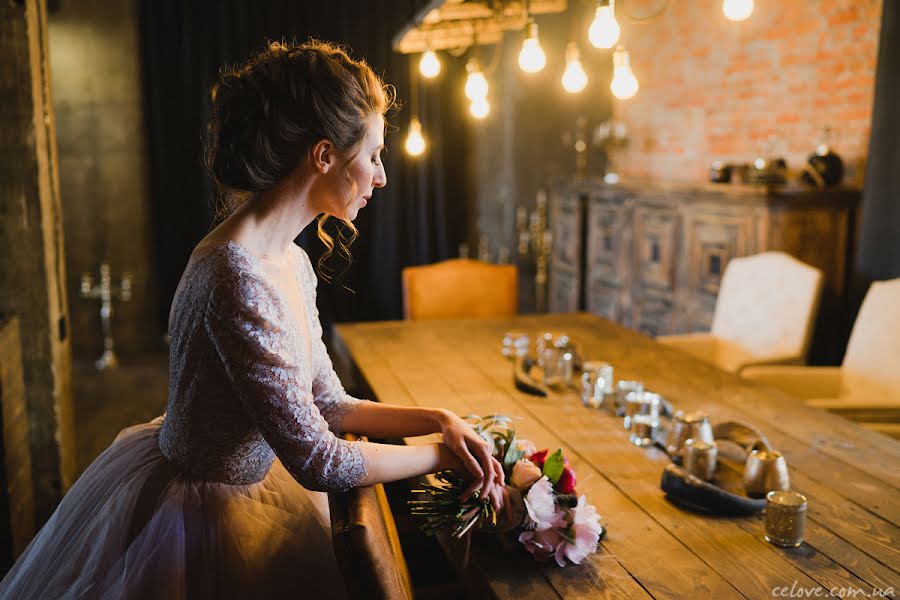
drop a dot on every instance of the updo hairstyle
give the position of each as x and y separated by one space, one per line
268 112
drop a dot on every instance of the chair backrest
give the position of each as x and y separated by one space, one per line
367 545
767 304
874 347
459 287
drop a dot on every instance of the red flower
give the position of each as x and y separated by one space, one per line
566 483
539 457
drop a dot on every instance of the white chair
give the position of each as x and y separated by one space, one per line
764 314
868 382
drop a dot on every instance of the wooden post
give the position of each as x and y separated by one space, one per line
32 270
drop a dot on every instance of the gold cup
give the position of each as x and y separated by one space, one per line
785 518
700 458
765 470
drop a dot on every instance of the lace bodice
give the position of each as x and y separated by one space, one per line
250 378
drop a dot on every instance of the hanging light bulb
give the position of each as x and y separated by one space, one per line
737 10
604 30
476 83
480 108
532 58
624 84
574 78
429 66
415 143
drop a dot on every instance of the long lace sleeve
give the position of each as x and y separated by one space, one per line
328 391
263 358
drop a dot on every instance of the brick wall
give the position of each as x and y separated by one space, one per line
714 89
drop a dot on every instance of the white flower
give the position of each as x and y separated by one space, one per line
541 505
524 473
583 536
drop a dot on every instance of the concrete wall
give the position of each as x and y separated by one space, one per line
97 95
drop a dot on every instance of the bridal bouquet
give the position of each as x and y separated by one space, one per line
551 519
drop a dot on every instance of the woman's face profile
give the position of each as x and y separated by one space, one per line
365 172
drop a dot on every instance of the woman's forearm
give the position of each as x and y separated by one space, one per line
389 421
386 462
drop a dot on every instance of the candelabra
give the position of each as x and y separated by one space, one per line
106 292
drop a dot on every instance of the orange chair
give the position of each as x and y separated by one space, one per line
459 287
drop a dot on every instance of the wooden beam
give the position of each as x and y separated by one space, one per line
448 24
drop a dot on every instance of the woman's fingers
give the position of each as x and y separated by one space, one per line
468 460
475 485
486 460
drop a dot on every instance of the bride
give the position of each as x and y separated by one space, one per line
221 497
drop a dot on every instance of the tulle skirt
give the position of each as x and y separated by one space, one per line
133 527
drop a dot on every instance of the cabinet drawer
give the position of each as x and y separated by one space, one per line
654 315
713 238
656 237
605 301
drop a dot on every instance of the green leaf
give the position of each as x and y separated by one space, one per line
553 466
513 454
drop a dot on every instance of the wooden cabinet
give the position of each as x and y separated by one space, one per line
651 256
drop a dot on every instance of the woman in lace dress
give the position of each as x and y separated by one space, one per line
222 496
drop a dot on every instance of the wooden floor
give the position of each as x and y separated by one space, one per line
108 401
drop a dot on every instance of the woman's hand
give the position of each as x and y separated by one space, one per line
474 453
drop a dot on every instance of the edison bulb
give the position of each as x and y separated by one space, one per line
532 58
415 142
429 66
737 10
604 30
476 83
624 84
574 78
480 108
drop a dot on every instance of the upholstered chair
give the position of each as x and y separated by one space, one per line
866 387
366 543
459 288
764 314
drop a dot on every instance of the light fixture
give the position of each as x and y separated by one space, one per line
415 142
604 30
737 10
624 84
574 78
429 66
532 58
476 83
479 108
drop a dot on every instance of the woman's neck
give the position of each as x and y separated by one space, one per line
268 222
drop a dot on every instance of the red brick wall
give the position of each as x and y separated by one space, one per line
714 89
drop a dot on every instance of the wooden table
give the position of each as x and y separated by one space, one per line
653 549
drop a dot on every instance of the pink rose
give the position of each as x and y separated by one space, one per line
524 473
566 483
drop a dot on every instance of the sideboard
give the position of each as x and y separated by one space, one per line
651 255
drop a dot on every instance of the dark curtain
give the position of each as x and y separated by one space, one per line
419 217
879 251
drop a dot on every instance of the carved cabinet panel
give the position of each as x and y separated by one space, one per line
651 256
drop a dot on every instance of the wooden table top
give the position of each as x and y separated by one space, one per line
851 476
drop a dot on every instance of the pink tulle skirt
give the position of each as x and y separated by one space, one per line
133 527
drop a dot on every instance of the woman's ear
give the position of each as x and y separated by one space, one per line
323 156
